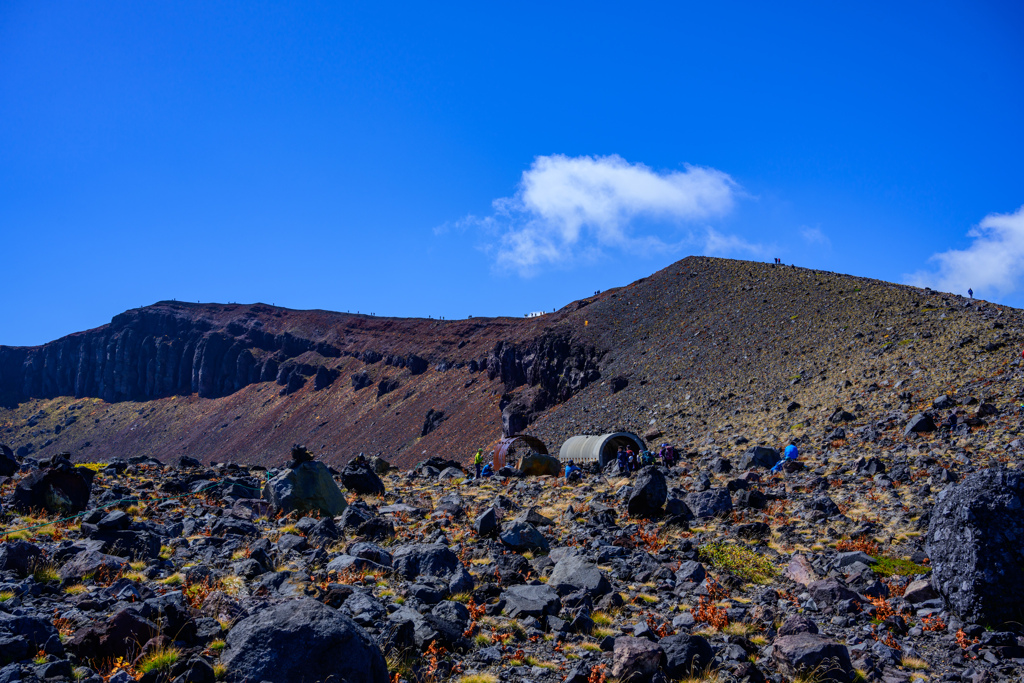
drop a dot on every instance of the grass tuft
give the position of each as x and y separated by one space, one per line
160 659
740 561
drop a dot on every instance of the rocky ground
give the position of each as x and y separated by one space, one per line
712 570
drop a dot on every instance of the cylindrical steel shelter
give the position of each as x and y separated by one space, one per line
600 449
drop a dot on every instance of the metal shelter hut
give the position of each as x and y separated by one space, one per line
505 446
600 449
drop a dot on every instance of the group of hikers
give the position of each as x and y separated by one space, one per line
630 461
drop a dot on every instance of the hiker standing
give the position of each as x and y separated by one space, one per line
620 458
970 293
478 461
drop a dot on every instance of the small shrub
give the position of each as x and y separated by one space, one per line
891 566
740 561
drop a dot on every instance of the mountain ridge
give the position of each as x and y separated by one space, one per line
675 356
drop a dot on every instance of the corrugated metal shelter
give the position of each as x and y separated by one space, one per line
506 445
600 449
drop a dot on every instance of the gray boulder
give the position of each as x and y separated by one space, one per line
649 493
522 536
531 601
920 423
305 488
976 546
710 503
359 476
635 659
302 640
808 654
425 560
574 573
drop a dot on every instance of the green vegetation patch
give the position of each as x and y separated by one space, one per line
890 566
740 561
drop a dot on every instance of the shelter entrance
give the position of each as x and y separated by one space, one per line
600 449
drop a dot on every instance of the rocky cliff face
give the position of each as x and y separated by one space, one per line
154 353
553 365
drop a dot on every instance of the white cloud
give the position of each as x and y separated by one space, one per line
816 236
574 208
717 244
993 264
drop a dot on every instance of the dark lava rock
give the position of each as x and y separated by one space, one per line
810 654
574 572
522 536
531 601
432 421
759 456
302 640
61 488
361 380
649 493
710 503
920 423
359 476
119 636
8 464
976 546
307 487
386 386
686 655
19 557
417 560
798 624
486 523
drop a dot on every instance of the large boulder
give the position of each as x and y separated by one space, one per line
121 635
759 456
22 636
432 560
60 488
574 572
808 654
686 655
539 464
976 546
302 640
710 503
649 493
635 659
305 488
359 476
8 464
92 562
522 536
19 557
531 601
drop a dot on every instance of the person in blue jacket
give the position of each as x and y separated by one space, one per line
791 453
572 472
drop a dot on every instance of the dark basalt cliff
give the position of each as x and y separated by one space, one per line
154 353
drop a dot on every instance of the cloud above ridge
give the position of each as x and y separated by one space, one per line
568 209
992 264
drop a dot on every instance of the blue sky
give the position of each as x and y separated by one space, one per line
448 160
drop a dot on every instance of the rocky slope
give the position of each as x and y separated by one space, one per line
705 352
